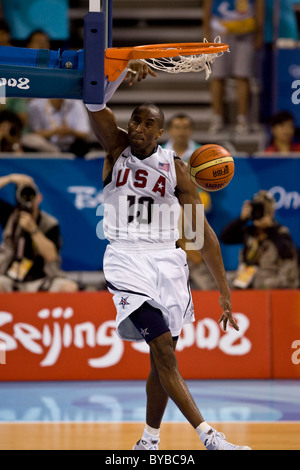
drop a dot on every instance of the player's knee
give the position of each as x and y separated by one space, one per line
162 350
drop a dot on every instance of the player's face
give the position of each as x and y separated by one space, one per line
144 131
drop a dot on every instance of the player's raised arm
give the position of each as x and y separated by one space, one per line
110 136
113 139
210 250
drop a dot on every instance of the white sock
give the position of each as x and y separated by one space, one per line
149 432
203 427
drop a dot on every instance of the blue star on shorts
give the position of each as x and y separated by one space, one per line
124 302
144 332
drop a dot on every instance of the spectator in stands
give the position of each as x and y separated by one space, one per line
280 23
283 130
268 259
287 27
24 17
17 106
180 130
239 24
62 123
38 40
5 39
31 241
10 132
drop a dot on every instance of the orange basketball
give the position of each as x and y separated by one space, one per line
211 167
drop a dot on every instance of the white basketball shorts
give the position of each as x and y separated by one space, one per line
158 276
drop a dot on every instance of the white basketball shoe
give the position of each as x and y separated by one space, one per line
214 440
145 444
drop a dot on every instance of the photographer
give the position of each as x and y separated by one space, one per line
29 253
268 259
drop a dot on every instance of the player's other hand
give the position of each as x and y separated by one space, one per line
138 70
225 302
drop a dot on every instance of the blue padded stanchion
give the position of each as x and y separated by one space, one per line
36 82
79 75
94 44
31 73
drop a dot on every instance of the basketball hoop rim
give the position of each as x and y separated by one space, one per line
117 58
165 50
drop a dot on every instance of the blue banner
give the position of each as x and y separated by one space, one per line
72 190
287 82
277 175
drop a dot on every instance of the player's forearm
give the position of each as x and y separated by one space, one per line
211 253
105 128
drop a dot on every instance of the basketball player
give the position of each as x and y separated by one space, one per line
144 271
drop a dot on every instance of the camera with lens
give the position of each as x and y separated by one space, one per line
258 210
25 197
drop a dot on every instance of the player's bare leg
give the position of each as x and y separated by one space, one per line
165 381
172 383
157 398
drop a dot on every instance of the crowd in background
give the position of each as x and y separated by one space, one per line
53 125
269 257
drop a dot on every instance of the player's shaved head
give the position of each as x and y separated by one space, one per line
155 110
145 127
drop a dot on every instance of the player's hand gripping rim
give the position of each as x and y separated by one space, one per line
225 302
137 69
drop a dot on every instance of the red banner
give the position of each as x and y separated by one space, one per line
64 337
217 354
286 334
73 337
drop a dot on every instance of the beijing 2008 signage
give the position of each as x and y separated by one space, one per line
73 337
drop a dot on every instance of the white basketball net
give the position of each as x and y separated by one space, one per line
186 63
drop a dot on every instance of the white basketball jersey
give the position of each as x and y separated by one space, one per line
140 201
